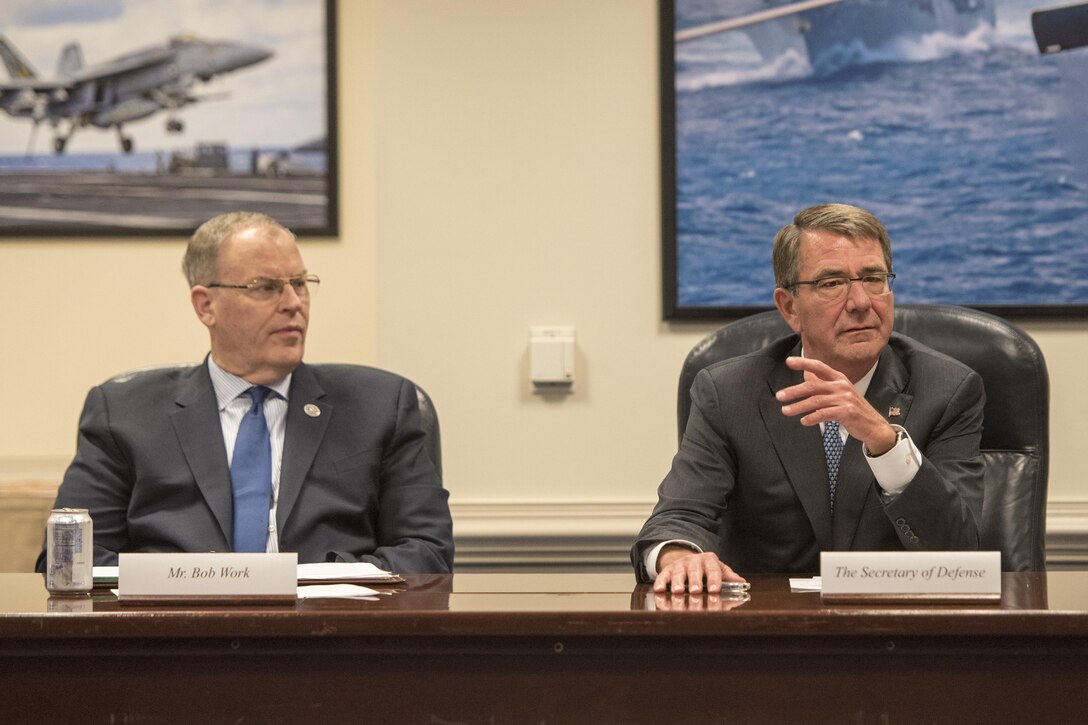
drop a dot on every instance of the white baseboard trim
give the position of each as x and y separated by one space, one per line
1067 534
600 534
19 469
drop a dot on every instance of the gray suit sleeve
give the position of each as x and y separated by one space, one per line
941 508
414 530
99 479
693 496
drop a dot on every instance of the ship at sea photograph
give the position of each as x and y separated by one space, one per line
942 117
147 117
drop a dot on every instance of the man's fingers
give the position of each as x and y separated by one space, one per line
813 367
690 572
661 583
714 579
793 392
728 575
695 573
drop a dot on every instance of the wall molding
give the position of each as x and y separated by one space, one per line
537 534
492 535
1067 534
20 469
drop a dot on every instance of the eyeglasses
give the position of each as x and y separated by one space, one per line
266 289
830 289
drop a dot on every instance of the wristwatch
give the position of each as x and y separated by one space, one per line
900 435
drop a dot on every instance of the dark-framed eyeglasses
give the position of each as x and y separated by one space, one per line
265 289
875 284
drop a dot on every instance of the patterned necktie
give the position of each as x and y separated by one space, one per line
251 476
833 451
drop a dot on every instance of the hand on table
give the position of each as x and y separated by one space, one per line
683 569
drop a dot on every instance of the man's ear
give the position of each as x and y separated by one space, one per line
202 304
786 304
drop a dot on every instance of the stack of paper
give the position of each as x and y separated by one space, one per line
355 572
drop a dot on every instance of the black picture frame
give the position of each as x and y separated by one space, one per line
673 308
296 181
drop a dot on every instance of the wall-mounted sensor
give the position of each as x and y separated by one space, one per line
551 358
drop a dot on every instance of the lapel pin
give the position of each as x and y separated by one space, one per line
311 410
893 412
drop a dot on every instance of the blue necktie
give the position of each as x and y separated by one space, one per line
833 451
251 477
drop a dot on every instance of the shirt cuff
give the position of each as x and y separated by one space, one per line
649 559
898 466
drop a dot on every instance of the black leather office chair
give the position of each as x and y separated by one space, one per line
428 416
1015 434
428 421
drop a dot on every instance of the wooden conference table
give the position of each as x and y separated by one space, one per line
548 648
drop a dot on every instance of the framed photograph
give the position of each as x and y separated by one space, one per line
147 118
962 124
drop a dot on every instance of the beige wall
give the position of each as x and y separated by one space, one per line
499 170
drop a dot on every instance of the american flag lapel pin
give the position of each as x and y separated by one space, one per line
893 412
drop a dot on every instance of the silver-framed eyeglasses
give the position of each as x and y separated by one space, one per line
266 289
875 284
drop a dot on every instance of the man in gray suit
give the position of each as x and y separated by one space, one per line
754 486
345 474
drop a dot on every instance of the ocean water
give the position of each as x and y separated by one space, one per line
972 150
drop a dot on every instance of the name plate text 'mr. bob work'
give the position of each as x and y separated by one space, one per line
245 578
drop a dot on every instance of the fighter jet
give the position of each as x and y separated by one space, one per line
128 88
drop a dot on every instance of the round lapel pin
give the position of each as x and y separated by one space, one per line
311 410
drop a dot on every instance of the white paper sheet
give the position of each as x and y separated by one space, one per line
326 571
813 584
337 591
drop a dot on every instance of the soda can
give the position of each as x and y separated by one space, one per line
69 551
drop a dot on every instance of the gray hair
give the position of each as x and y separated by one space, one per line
202 254
850 221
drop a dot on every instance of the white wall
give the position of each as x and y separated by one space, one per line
499 170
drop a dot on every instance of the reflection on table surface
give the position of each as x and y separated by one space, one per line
24 594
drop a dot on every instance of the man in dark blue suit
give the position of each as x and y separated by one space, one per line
842 436
350 476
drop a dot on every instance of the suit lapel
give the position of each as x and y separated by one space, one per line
200 435
308 417
856 480
800 449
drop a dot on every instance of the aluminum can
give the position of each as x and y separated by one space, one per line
69 547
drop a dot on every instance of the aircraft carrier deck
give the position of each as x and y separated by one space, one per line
75 203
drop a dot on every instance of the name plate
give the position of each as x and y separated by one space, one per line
910 576
207 578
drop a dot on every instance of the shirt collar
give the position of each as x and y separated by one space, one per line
862 385
229 386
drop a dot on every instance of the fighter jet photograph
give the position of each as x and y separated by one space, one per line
128 88
144 117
